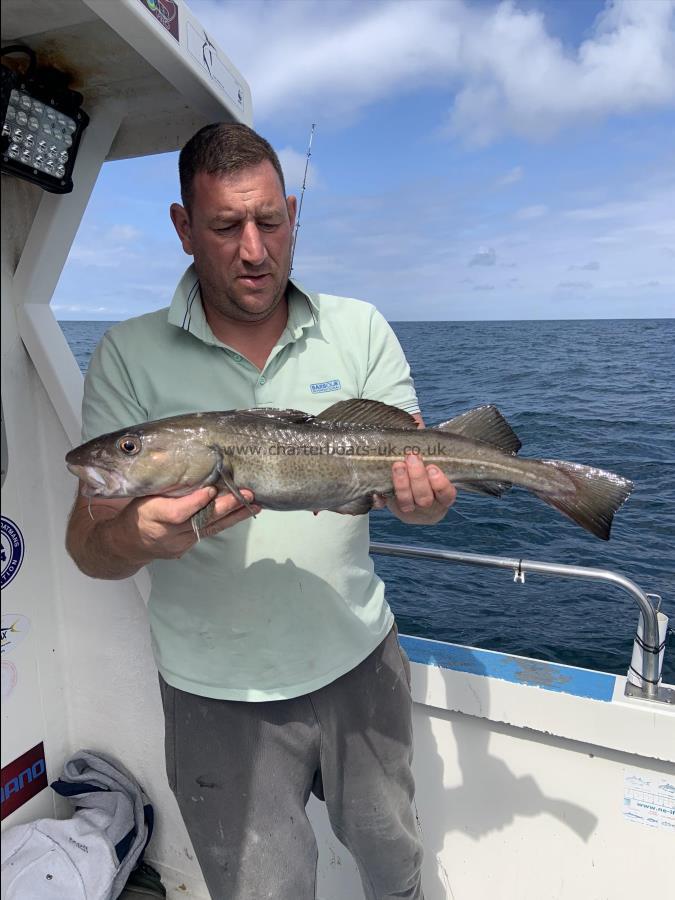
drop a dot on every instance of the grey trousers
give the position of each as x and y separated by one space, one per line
243 772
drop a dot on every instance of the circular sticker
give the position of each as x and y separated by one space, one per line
12 550
15 627
9 677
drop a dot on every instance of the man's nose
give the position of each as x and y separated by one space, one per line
252 247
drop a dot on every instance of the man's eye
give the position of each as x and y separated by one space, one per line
268 226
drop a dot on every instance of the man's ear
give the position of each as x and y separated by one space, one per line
292 207
181 222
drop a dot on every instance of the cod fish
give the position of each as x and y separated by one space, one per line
337 460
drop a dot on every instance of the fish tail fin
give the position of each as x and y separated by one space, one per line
595 497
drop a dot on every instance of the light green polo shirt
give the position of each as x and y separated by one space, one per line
285 603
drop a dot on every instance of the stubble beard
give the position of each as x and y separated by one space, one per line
228 305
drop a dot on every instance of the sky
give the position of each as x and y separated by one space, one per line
472 160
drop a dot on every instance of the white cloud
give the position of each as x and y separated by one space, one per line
100 256
510 74
648 219
122 233
71 308
105 248
511 177
486 256
611 210
575 285
626 64
293 165
591 266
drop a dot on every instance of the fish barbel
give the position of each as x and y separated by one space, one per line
337 460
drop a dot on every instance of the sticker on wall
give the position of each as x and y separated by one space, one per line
206 53
14 629
9 678
166 13
649 799
23 779
12 550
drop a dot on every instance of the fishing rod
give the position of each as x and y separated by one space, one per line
302 195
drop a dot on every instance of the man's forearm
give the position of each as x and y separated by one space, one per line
99 548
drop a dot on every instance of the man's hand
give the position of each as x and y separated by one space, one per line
113 539
422 494
163 526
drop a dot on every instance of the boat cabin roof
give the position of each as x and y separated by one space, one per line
160 65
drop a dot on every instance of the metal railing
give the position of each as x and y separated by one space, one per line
650 689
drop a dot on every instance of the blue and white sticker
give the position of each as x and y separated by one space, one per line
12 550
649 799
323 387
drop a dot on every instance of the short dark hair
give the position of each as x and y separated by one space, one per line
223 148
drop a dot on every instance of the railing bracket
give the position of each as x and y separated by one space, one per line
662 695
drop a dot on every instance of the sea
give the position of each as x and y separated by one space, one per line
601 392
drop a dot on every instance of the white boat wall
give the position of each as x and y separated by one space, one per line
534 780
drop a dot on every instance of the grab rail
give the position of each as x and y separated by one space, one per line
650 675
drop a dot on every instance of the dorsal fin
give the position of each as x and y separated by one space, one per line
486 424
268 412
366 412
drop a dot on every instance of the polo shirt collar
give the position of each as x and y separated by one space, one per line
187 312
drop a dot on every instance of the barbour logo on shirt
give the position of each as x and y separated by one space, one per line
323 387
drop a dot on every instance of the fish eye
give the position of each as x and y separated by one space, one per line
129 444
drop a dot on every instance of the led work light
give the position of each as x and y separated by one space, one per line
42 124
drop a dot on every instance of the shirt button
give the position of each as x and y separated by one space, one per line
262 379
236 357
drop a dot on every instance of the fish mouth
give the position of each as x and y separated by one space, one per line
98 482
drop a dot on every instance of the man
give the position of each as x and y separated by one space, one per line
280 668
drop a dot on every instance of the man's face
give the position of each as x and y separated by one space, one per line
239 230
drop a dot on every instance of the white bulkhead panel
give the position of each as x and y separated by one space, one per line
77 667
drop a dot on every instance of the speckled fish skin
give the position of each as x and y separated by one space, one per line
338 460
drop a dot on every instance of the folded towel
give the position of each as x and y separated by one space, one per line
91 855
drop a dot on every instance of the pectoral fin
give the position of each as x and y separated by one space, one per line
358 507
201 518
233 489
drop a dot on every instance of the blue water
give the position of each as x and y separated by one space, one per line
598 392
